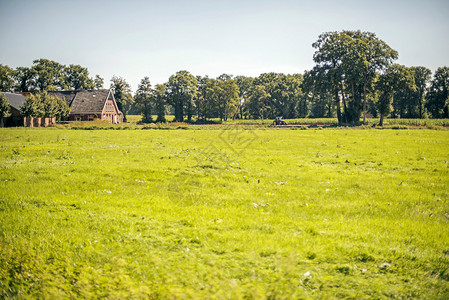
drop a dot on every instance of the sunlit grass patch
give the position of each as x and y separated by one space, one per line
204 214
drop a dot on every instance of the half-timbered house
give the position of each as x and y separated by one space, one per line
87 105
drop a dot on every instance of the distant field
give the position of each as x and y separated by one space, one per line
334 122
319 121
237 214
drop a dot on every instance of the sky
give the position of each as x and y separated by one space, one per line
133 39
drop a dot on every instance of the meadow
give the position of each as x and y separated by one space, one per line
228 213
134 123
370 122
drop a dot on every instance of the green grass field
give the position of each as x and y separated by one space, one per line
233 213
133 123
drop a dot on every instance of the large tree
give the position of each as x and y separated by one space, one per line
143 100
318 92
77 78
4 108
122 94
408 103
6 78
181 91
227 98
285 95
217 98
47 75
244 83
22 78
331 49
297 104
396 79
204 98
257 104
98 82
438 96
159 101
349 60
422 78
366 55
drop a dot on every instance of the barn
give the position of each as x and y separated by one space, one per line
87 105
16 102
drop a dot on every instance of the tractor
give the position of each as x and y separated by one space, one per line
279 121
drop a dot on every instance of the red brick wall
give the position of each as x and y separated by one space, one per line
38 122
110 112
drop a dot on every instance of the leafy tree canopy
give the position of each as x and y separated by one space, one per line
44 105
4 106
144 100
181 91
6 78
438 98
122 94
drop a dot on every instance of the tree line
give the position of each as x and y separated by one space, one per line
47 75
224 97
354 77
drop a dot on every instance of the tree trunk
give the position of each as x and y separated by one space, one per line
344 103
353 99
179 114
337 101
364 103
420 104
381 122
189 112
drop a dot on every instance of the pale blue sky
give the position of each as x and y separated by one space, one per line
133 39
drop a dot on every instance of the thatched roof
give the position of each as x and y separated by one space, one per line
67 96
84 101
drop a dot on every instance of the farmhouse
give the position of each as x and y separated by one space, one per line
16 102
87 105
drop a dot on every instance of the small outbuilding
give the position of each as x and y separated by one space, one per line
16 101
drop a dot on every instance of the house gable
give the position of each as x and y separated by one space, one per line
110 110
110 105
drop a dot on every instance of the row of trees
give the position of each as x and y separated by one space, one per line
224 97
47 75
400 91
43 105
354 77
